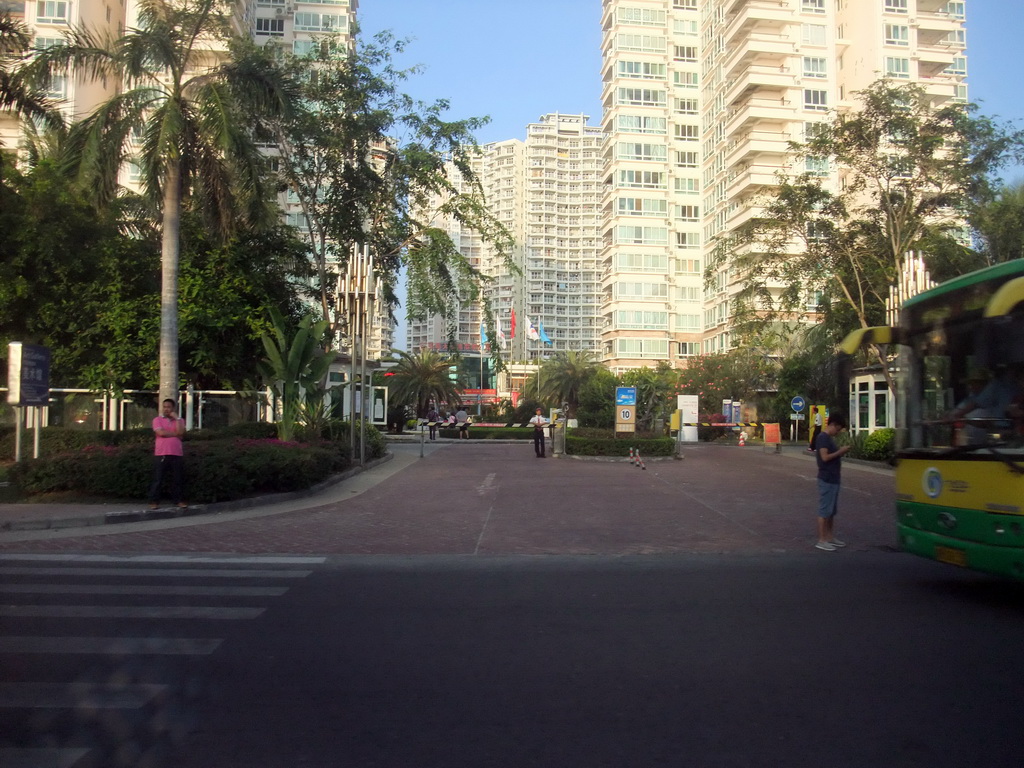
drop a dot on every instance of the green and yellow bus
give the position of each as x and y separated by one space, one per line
960 452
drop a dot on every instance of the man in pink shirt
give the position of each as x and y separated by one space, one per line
168 429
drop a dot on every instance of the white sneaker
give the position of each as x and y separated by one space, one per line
837 543
825 545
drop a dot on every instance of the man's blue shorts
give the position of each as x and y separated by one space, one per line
828 498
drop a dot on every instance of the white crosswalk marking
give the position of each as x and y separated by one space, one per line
118 646
41 758
65 695
127 612
203 573
125 592
128 589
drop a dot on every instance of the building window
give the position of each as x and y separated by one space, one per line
958 67
320 22
687 186
687 132
686 5
897 34
895 67
687 266
643 70
815 66
686 79
642 179
686 106
631 151
642 262
640 206
956 9
642 16
647 348
58 87
688 240
642 124
638 320
641 235
814 34
42 43
816 166
642 43
686 53
273 27
895 6
816 100
687 159
812 6
52 12
687 212
641 97
817 231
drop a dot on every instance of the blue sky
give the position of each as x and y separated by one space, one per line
515 60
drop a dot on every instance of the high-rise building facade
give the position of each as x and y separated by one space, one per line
546 191
702 99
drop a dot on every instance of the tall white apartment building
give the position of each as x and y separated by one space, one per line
651 224
546 191
702 98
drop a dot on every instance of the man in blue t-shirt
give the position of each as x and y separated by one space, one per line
829 457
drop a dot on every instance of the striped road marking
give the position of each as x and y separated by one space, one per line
112 646
127 612
41 758
258 560
16 570
117 589
76 695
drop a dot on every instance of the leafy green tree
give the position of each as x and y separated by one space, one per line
184 116
911 171
421 378
17 93
370 165
597 400
655 392
295 366
999 223
561 377
736 375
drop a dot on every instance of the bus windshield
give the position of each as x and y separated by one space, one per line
963 379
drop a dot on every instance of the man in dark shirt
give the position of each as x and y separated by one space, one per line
829 457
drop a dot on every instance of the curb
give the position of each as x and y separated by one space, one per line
144 515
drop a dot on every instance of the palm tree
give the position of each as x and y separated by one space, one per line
16 93
562 377
183 115
421 378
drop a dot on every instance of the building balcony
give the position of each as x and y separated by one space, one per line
756 16
754 143
752 178
755 110
933 61
767 50
758 77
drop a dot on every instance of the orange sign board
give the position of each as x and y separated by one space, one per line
771 434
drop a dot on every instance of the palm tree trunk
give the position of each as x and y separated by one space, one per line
169 253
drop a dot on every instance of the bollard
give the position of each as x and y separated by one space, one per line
631 456
743 439
640 462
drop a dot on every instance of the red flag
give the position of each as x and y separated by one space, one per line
513 334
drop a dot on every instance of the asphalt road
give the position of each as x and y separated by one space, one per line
486 609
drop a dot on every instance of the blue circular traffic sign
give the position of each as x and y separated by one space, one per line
798 403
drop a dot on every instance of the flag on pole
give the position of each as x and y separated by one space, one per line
483 335
531 330
543 336
512 335
501 337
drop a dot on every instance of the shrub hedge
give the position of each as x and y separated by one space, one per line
220 465
602 442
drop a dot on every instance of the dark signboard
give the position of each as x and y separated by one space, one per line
28 374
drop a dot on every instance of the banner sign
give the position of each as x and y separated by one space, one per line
28 374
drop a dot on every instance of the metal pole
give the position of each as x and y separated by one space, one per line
362 390
38 424
480 396
19 414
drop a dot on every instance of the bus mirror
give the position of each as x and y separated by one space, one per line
1006 298
879 334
